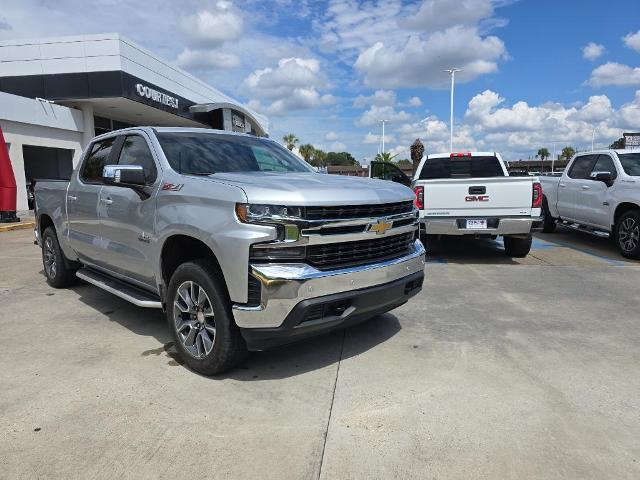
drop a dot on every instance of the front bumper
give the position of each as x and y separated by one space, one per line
496 226
285 286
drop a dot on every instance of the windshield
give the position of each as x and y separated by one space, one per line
461 167
207 153
630 163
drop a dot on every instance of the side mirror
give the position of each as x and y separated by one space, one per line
124 175
604 177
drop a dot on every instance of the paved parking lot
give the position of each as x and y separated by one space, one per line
500 368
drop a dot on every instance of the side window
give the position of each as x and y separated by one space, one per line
581 167
96 160
605 164
135 151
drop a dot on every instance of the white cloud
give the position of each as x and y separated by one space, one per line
372 138
597 109
617 74
380 98
293 85
413 102
632 40
393 45
438 14
213 27
206 59
337 147
592 51
375 114
629 117
330 136
420 61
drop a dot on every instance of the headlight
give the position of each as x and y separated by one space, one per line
252 213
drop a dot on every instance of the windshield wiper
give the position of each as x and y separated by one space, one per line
204 174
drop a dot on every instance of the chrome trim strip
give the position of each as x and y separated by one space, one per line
286 285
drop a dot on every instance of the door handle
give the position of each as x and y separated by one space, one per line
562 185
586 187
106 201
72 198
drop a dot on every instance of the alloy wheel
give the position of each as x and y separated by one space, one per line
629 234
50 266
194 319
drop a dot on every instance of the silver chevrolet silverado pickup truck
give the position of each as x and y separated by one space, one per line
238 240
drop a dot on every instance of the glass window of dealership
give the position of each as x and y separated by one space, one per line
58 93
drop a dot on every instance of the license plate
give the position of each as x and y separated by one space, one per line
477 224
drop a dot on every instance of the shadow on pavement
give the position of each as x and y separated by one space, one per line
283 362
469 251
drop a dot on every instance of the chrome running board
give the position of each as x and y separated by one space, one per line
585 229
132 294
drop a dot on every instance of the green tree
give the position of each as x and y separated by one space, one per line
306 150
290 140
385 157
405 162
319 158
417 151
341 158
618 143
543 154
568 152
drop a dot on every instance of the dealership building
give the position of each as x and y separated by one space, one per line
58 93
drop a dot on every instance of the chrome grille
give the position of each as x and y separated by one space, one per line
357 211
363 252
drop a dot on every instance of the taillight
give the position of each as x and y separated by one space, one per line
536 198
460 154
419 200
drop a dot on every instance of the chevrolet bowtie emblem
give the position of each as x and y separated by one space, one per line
381 226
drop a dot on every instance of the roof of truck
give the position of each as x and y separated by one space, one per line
472 154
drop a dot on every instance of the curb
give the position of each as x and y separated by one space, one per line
7 227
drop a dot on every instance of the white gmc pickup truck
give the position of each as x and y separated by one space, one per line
599 193
472 194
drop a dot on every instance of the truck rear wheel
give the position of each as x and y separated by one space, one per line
57 270
627 234
200 319
548 222
517 247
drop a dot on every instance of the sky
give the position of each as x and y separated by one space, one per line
533 72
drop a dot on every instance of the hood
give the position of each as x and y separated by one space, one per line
314 188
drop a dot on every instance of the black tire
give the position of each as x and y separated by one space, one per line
517 247
627 234
227 347
58 271
548 222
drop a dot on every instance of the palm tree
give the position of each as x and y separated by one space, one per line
290 140
543 153
568 152
306 150
417 151
385 157
319 158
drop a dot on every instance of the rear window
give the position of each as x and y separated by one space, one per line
630 163
461 167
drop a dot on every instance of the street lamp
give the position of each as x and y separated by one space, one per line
593 136
452 72
383 122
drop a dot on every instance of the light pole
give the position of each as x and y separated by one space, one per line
452 72
383 122
593 136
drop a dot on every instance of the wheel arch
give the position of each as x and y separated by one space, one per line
622 208
45 221
180 248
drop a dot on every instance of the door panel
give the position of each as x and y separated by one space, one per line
128 217
597 195
570 187
83 203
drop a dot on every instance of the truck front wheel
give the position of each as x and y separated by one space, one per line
57 269
517 247
200 318
627 234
